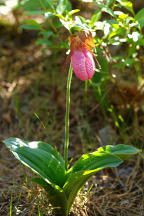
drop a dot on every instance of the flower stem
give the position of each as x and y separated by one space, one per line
66 144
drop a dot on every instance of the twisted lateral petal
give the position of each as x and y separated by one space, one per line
83 64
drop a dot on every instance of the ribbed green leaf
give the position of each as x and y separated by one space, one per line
89 164
56 196
40 158
48 148
84 168
95 160
121 150
73 185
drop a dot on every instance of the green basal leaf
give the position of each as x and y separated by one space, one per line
48 148
73 185
89 164
56 196
84 168
41 158
93 161
121 150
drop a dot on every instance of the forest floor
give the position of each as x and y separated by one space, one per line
32 98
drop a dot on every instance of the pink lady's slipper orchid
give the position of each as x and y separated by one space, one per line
81 55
